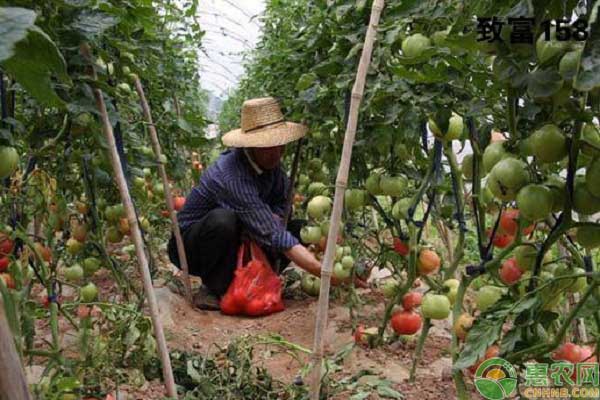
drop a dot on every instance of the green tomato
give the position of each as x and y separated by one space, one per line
588 236
507 178
557 186
9 161
549 144
400 208
159 189
74 246
372 184
455 128
347 262
467 167
347 250
493 154
390 288
584 202
393 186
316 189
487 296
415 45
535 202
339 253
74 273
525 256
88 293
590 141
592 177
354 199
91 265
310 284
452 285
435 306
318 206
340 272
310 234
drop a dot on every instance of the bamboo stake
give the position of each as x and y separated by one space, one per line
13 385
168 195
338 203
136 235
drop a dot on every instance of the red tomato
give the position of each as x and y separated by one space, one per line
500 240
359 335
178 203
568 352
4 263
406 323
509 223
400 247
411 300
165 213
6 245
510 272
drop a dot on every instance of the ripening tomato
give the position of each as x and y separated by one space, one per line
428 262
6 245
8 280
406 322
400 247
568 352
165 213
510 272
411 300
500 240
364 336
178 203
4 263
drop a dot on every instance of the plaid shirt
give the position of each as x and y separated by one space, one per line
235 183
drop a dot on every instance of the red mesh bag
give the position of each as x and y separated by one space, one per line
256 288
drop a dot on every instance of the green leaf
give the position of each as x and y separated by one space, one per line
588 74
35 60
306 81
14 24
481 336
544 83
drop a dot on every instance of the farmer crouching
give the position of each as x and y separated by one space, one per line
243 193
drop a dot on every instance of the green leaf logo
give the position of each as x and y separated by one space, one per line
496 379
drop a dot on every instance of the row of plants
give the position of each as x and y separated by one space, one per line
70 288
494 145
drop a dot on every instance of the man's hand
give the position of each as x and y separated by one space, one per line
307 261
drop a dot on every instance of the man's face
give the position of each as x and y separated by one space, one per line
267 157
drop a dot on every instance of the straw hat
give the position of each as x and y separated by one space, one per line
263 125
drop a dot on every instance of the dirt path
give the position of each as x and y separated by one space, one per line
193 330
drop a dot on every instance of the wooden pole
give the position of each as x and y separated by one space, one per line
338 202
168 195
136 235
13 385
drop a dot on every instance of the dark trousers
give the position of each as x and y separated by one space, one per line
211 246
